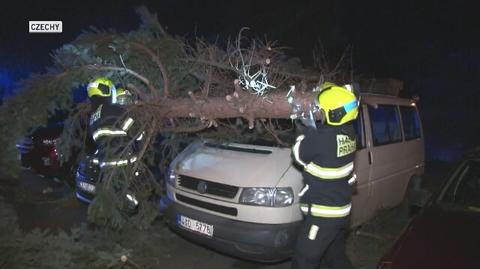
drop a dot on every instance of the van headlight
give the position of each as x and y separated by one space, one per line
274 197
171 177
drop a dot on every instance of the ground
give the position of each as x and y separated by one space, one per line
36 204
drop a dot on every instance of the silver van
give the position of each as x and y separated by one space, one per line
242 199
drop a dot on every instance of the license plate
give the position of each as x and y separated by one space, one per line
87 187
195 225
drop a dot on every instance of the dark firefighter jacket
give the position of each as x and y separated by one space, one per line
327 154
113 132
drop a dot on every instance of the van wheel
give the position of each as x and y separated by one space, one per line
415 196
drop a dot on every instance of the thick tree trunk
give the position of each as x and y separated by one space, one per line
238 104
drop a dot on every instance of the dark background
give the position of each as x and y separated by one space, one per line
433 46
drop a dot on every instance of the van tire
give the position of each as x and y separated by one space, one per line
408 203
415 196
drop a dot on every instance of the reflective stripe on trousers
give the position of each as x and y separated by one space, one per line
353 179
326 211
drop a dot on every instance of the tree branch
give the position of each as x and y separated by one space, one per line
157 60
129 71
271 130
229 68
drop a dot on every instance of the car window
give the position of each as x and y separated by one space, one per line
411 122
385 121
464 188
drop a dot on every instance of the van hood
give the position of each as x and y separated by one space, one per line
235 164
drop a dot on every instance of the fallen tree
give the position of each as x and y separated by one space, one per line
183 86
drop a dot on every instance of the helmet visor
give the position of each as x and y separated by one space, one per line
336 115
104 89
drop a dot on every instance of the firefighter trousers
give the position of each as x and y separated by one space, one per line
321 240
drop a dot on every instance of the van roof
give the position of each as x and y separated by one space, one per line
373 99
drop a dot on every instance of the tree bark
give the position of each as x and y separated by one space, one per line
239 104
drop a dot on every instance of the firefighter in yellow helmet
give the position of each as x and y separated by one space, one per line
111 127
326 153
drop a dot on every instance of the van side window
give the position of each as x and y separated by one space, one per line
359 130
385 121
411 122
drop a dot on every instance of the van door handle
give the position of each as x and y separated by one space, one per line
369 157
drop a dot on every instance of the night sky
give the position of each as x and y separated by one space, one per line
433 46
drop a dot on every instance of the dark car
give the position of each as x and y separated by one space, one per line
86 179
446 233
38 151
88 173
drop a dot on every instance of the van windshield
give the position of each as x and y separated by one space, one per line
271 133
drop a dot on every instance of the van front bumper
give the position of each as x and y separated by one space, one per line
251 241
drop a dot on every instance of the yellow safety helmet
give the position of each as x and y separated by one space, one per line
100 87
338 104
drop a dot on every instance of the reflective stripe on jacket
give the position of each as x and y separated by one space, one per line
319 171
117 163
329 173
107 132
112 131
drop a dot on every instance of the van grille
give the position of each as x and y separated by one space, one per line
209 187
213 207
